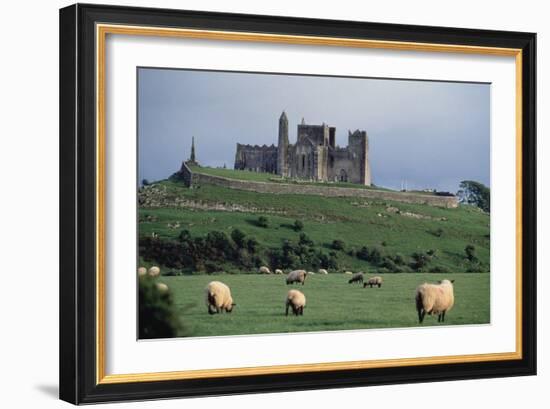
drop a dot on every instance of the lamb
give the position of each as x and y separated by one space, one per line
142 271
218 298
322 271
154 271
376 280
264 270
297 300
348 272
278 271
434 299
296 276
356 278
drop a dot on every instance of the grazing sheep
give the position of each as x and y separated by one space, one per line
142 271
218 297
434 299
161 287
373 281
356 278
296 276
154 271
311 273
348 272
297 300
278 271
322 271
264 270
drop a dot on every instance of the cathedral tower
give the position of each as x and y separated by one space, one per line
282 148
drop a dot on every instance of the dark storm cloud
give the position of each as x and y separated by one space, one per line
429 134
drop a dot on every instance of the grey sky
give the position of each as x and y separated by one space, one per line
431 134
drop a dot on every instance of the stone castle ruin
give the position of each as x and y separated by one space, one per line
315 155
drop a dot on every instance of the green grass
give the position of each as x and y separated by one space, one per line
356 221
332 303
235 174
273 178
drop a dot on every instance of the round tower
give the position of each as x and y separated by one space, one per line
282 148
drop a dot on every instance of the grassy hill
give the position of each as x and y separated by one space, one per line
393 229
272 178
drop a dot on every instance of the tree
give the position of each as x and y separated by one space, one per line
263 221
475 193
238 238
144 182
338 245
470 251
158 317
298 225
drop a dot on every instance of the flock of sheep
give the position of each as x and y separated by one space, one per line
432 299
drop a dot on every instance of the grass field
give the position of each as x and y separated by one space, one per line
357 222
332 303
272 178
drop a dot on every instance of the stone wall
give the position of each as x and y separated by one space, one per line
256 158
185 175
327 191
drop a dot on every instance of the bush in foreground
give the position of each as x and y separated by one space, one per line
157 313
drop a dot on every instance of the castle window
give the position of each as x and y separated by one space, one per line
303 161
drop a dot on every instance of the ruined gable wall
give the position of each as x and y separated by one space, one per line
256 158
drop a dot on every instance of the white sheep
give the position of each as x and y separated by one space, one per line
264 270
279 271
296 276
434 299
161 287
218 297
376 280
297 300
348 272
322 271
311 273
142 271
154 271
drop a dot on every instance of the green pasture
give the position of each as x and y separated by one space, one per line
332 303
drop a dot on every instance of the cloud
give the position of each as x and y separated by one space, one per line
431 134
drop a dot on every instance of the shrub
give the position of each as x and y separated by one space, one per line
184 235
238 238
399 259
251 244
212 267
298 225
420 260
338 245
305 240
476 268
384 243
389 264
363 253
144 182
440 270
431 252
375 255
263 221
438 232
352 252
157 314
470 251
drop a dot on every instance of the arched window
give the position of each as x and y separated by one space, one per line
303 162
